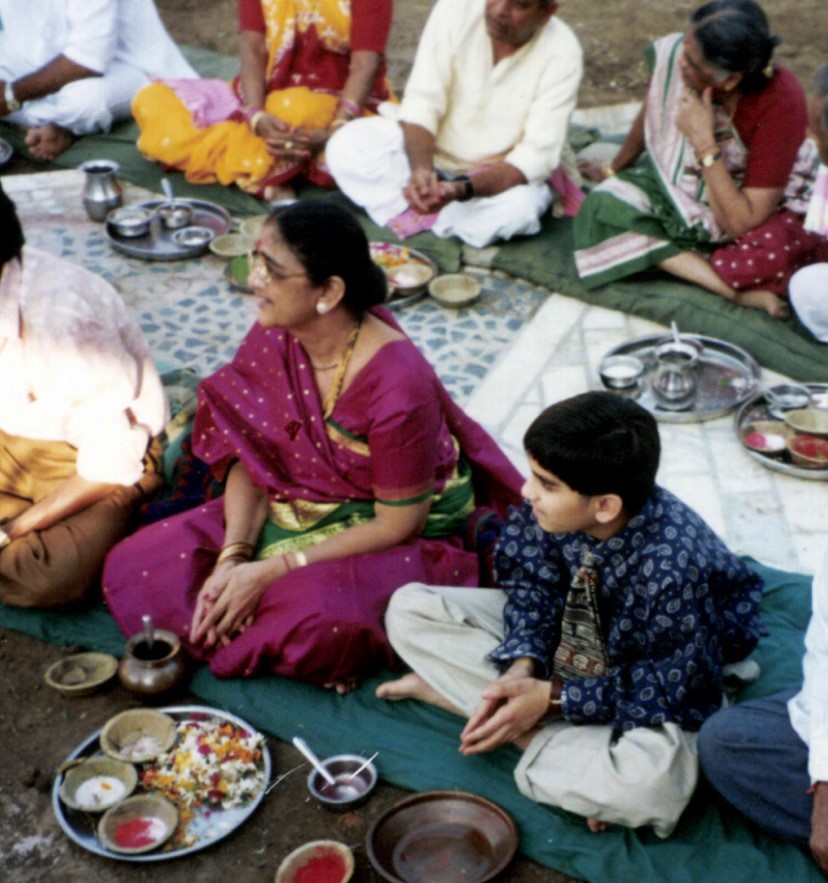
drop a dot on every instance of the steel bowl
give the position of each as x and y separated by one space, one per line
175 214
350 791
130 221
193 237
620 372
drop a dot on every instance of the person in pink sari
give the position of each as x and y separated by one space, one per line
349 471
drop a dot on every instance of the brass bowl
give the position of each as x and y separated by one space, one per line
808 421
138 735
159 818
122 777
455 289
302 858
809 451
81 673
442 835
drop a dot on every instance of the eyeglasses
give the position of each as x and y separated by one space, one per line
262 268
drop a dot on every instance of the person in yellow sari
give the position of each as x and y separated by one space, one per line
306 68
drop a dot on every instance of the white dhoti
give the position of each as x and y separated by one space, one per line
644 776
368 162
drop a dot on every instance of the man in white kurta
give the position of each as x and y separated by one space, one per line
81 403
481 127
72 67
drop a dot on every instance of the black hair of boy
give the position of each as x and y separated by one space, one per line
598 443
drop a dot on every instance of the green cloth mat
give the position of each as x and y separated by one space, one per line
418 749
787 347
545 259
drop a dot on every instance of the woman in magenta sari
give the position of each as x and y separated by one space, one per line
349 472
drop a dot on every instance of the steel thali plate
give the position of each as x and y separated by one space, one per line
756 409
207 826
158 244
726 376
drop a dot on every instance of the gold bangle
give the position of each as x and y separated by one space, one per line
242 551
607 169
256 119
5 539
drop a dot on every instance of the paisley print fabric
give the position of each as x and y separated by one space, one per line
675 605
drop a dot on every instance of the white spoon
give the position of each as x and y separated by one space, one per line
303 746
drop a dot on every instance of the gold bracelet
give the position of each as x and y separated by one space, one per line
5 539
256 119
607 169
242 551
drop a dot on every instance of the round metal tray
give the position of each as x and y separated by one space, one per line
726 376
207 825
158 244
402 297
756 408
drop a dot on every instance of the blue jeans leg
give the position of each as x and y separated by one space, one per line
752 756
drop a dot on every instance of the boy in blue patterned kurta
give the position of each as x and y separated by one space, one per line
618 608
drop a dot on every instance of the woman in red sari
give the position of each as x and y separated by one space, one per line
307 67
349 472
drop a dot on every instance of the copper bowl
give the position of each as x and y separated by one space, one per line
442 837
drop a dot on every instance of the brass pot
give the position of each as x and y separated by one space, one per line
153 667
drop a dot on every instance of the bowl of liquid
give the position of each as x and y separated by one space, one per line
352 785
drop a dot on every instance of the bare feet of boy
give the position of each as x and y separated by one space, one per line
775 306
597 827
412 686
47 142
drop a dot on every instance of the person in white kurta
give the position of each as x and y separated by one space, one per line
481 126
808 288
72 67
81 405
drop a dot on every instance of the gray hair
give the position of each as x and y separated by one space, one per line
821 91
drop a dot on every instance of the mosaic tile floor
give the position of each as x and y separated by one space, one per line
515 351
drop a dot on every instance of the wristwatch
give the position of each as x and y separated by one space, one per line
12 104
468 187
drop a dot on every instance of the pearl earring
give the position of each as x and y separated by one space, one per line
321 308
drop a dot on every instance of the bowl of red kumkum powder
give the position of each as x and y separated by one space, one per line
320 861
138 824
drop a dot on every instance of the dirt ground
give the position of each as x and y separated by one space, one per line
41 728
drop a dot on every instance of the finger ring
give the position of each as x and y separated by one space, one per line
288 145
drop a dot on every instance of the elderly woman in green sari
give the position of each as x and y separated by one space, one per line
720 196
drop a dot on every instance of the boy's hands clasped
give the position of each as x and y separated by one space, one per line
512 707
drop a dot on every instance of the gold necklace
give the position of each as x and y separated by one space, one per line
336 384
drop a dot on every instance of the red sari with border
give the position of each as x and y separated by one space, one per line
393 435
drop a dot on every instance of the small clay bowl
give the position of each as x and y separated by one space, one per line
138 735
81 673
130 221
116 781
809 451
175 214
138 824
330 854
620 372
349 791
193 237
768 437
455 289
231 245
808 421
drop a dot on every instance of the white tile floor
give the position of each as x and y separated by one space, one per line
779 519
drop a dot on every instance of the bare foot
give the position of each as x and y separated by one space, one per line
47 142
342 687
597 827
771 303
276 193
